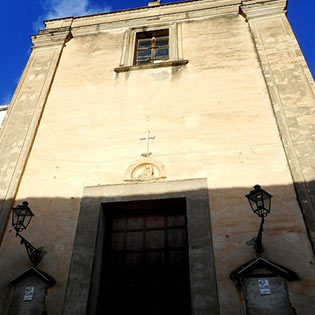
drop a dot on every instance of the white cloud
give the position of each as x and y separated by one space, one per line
64 8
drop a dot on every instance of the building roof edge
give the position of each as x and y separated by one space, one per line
126 10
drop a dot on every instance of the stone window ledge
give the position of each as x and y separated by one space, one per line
173 63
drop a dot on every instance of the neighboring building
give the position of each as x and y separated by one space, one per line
3 112
219 92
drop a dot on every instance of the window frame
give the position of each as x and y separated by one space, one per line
153 36
127 60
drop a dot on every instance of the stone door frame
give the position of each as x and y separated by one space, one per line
85 267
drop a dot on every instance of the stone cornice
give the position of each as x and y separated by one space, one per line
144 12
148 15
58 30
253 9
52 37
155 20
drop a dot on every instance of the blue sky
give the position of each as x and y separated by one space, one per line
19 19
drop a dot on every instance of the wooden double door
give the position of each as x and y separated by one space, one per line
145 262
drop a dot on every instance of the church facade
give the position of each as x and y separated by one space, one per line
134 137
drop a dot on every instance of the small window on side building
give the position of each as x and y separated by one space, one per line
152 46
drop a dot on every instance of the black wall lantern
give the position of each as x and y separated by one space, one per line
260 202
21 218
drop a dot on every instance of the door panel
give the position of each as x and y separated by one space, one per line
145 263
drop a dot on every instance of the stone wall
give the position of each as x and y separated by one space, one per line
212 117
292 93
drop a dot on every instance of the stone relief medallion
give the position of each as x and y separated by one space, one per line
145 169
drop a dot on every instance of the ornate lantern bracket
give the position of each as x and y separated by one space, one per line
260 202
21 218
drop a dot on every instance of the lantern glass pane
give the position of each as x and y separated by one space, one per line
255 196
27 221
260 201
21 216
14 219
253 205
20 212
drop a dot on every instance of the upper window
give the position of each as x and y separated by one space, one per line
152 46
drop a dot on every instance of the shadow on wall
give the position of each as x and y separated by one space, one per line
233 224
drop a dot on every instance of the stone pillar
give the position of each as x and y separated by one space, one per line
292 94
26 108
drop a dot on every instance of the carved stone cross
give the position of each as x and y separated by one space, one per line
147 138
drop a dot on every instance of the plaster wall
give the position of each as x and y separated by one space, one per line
212 119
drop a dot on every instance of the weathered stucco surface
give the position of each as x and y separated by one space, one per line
275 303
24 115
292 92
213 118
35 306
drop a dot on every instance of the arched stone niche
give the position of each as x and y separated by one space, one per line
263 286
145 169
